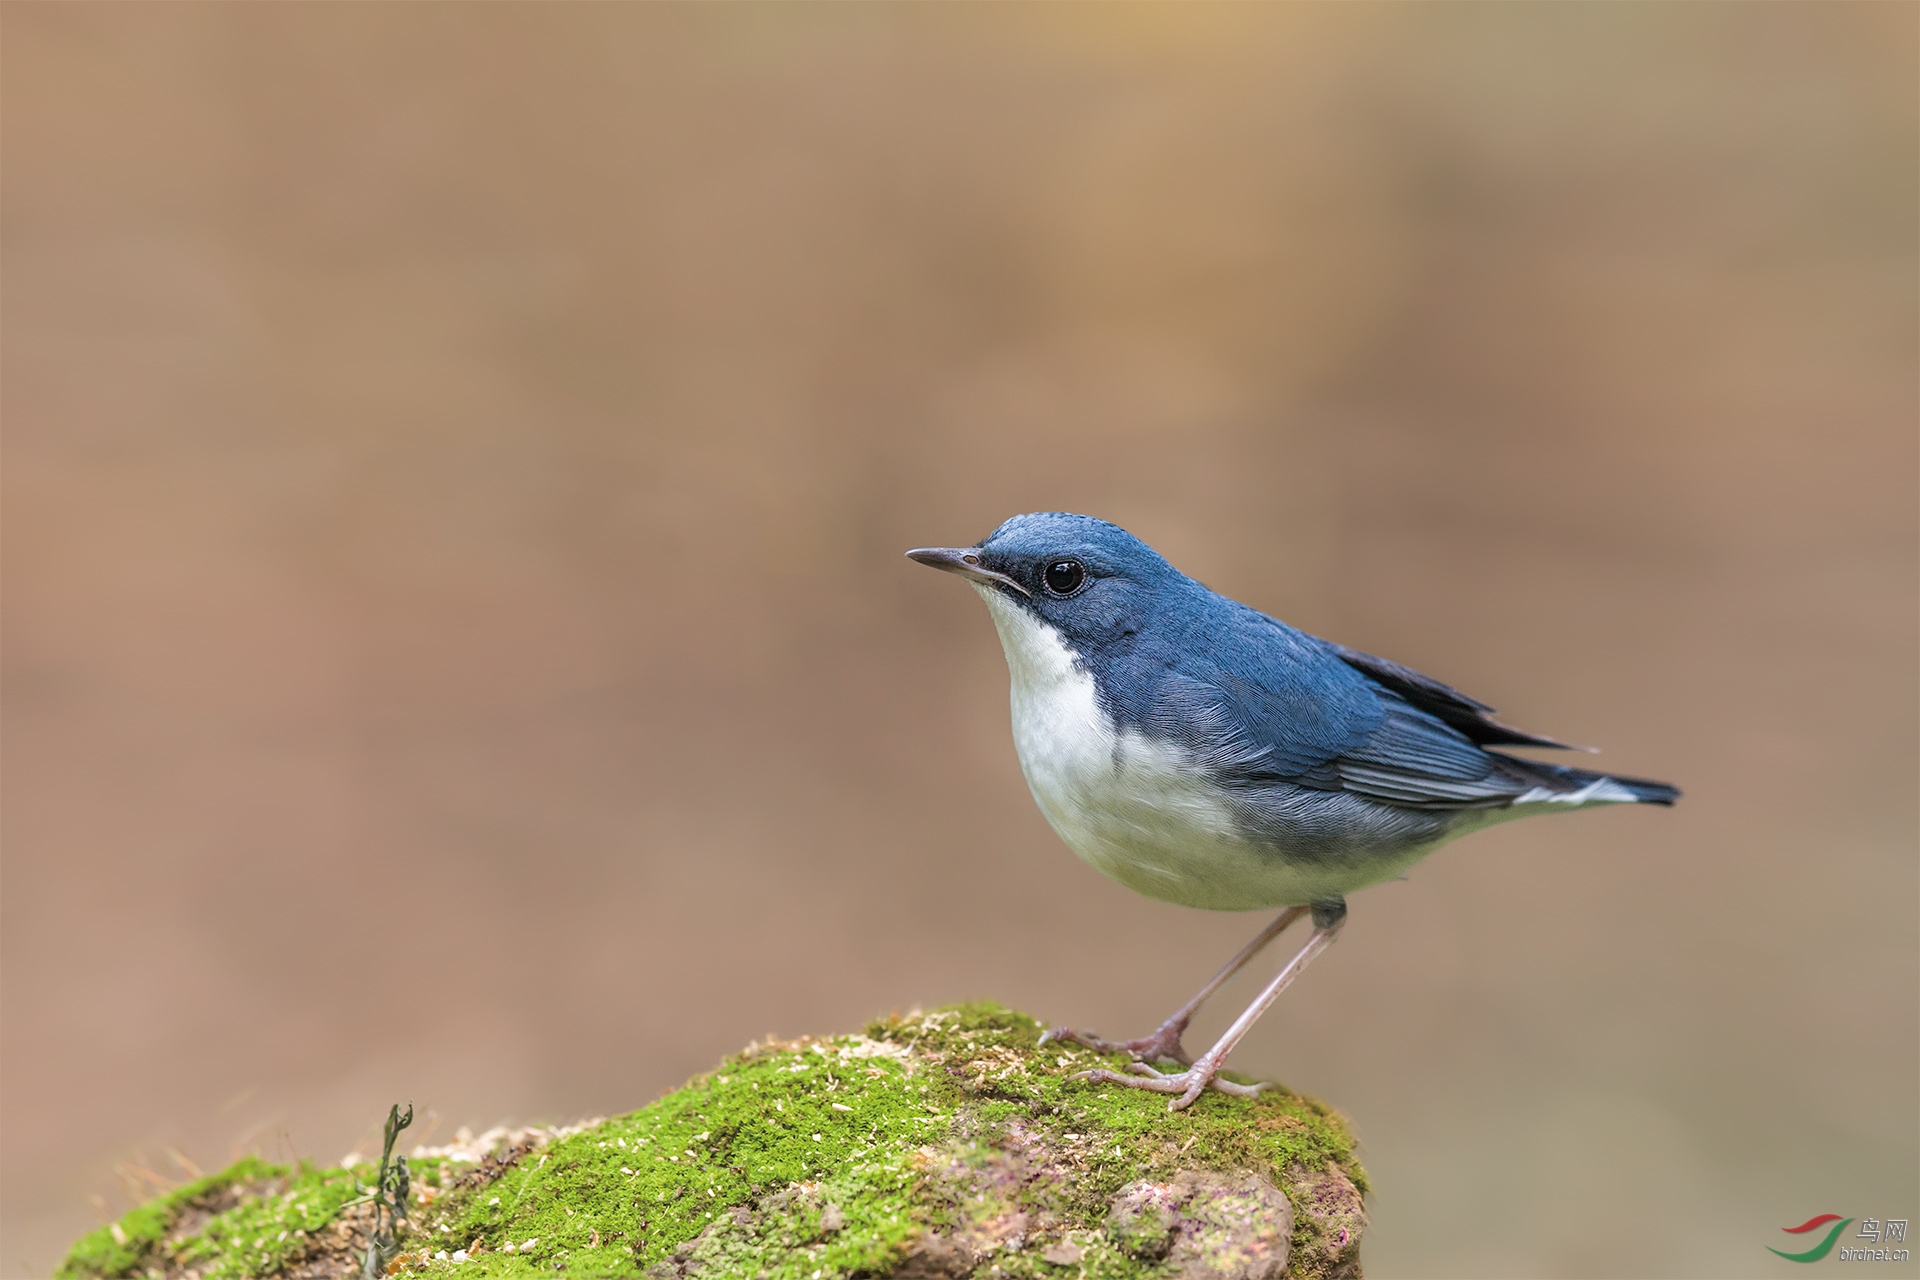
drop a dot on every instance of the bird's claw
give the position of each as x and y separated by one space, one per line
1189 1084
1242 1090
1163 1043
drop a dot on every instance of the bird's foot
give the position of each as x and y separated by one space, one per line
1189 1084
1164 1043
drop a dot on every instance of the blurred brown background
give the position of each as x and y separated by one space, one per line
458 648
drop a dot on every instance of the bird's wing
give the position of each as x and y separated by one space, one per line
1415 760
1399 754
1471 717
1274 704
1249 696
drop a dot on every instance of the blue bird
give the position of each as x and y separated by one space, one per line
1200 752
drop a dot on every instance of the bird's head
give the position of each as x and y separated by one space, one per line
1091 581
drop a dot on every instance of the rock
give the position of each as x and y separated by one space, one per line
1208 1226
937 1146
1336 1214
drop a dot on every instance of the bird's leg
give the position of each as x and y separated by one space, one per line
1189 1084
1165 1043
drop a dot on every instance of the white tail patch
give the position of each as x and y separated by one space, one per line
1599 791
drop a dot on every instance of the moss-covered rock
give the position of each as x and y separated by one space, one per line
943 1144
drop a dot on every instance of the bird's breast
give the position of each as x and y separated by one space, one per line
1134 808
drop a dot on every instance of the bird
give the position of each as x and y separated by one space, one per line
1203 753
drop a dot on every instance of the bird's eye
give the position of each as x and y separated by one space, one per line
1063 577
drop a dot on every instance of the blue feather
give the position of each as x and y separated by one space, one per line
1253 701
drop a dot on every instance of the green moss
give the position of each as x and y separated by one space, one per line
250 1219
827 1157
825 1113
123 1247
271 1224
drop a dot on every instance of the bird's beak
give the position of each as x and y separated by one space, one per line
965 561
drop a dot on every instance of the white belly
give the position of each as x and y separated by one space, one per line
1129 806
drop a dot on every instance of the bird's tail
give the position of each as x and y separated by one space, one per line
1557 784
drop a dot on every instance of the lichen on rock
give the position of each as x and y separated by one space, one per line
943 1144
1234 1226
